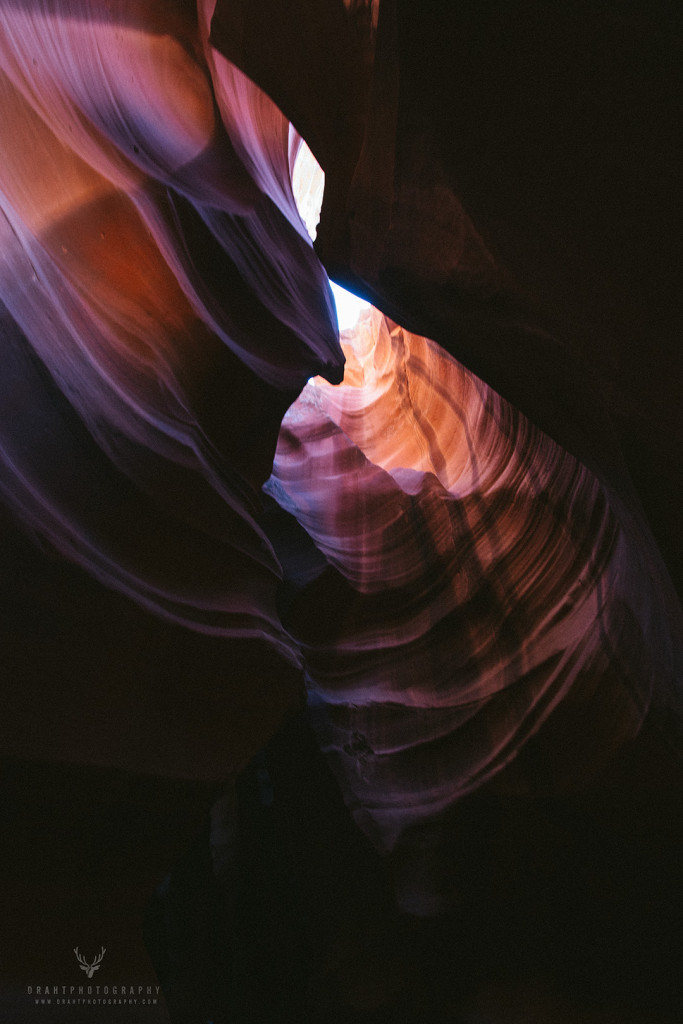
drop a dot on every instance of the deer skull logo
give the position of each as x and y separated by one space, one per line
94 966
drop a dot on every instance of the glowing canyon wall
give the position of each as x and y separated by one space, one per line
456 574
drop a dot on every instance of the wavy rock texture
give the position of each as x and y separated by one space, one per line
155 264
454 583
479 581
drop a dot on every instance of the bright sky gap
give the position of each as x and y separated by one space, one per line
349 306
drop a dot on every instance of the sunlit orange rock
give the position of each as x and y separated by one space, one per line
479 586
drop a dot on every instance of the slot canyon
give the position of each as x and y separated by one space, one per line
342 647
